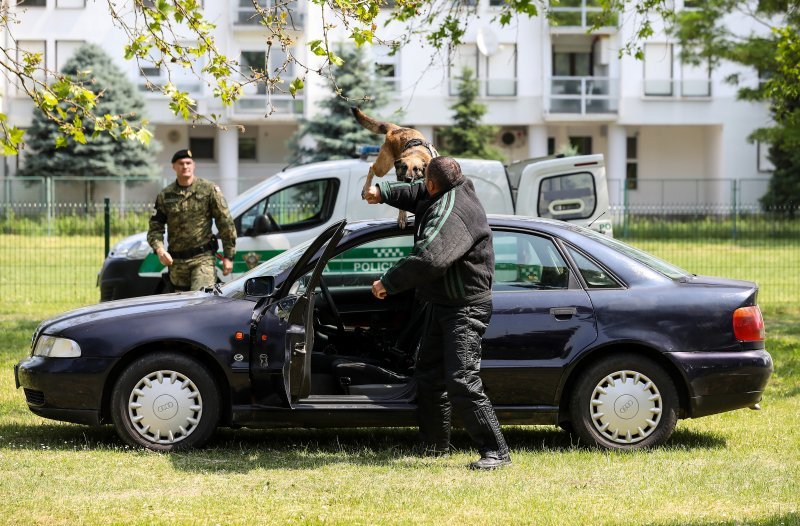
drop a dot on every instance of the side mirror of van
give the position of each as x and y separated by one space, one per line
259 286
261 225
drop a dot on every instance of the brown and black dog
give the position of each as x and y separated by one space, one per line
405 149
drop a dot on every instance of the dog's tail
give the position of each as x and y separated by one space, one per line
371 124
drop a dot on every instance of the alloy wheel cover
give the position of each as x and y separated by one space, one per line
165 407
625 407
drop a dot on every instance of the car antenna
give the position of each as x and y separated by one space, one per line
596 218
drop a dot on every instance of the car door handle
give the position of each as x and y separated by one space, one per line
563 313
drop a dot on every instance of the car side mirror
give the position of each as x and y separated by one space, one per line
261 225
259 286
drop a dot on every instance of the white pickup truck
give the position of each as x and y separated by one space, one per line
300 202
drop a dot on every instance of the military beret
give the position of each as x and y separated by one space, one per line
182 154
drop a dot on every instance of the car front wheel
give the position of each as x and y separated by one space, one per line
624 402
165 402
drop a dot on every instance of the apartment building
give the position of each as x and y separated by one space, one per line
671 133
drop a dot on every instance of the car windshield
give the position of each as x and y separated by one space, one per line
272 267
659 265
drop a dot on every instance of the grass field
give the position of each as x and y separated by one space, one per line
736 468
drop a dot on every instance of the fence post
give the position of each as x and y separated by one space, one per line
107 224
625 208
734 211
48 192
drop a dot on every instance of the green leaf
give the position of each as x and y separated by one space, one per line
295 86
317 48
61 141
335 59
144 136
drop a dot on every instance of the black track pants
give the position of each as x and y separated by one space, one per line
447 378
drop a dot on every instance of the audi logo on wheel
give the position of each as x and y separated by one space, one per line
164 407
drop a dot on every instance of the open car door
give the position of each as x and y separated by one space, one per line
300 332
281 361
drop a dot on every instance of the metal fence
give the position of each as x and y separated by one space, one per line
51 253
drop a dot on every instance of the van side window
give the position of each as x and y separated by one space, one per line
523 261
297 207
571 196
363 264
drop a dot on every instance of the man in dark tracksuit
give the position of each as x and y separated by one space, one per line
451 266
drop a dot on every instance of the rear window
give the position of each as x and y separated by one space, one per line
571 196
650 261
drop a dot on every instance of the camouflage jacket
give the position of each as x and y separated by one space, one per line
187 214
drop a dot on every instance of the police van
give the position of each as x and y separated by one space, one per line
299 203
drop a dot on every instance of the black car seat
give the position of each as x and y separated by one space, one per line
359 378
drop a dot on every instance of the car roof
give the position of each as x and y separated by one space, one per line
551 226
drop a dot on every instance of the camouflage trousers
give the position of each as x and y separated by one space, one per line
194 273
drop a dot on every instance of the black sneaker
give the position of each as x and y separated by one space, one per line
491 460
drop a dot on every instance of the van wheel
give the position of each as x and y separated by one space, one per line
624 402
165 402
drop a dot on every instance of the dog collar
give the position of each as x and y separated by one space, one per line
419 142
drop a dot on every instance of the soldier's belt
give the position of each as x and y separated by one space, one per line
211 246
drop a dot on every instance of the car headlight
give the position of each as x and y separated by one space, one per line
137 249
54 347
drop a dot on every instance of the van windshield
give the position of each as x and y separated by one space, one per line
273 267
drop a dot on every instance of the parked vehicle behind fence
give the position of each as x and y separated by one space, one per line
299 203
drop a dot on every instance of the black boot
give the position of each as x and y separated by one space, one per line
491 460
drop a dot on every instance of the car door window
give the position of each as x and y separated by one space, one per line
594 275
524 262
299 206
571 196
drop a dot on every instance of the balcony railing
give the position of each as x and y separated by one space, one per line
246 16
579 13
258 104
677 88
584 95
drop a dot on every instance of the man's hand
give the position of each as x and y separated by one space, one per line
227 266
373 195
164 257
378 289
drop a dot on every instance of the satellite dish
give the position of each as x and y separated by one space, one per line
487 41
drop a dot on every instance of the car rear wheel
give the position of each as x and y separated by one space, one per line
624 402
165 402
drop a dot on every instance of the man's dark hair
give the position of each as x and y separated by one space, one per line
444 172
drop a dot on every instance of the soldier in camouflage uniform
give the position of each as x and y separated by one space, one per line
187 207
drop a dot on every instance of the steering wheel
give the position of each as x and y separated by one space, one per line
273 224
326 293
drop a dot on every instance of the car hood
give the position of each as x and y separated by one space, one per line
149 305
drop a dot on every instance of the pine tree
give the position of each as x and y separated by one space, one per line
334 130
101 156
468 137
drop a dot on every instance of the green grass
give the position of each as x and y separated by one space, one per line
735 468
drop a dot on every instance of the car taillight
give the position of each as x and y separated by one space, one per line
748 324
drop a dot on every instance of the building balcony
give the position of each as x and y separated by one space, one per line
578 14
245 16
583 96
278 105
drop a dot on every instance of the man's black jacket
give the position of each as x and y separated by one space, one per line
452 261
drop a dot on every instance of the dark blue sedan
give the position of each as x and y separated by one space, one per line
587 333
